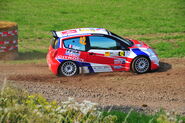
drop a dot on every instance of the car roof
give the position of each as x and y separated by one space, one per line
81 31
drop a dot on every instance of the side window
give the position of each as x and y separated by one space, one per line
106 43
55 43
75 43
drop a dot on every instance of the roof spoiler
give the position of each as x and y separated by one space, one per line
54 34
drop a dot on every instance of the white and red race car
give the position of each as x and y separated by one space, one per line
91 50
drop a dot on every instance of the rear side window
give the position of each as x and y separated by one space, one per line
78 43
55 43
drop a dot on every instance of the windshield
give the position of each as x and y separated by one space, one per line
127 41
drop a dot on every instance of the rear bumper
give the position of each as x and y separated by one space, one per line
53 65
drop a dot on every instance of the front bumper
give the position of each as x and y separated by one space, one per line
154 62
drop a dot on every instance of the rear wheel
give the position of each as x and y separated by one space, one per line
68 68
141 65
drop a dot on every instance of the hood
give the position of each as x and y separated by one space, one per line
139 44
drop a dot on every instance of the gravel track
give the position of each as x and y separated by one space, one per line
164 88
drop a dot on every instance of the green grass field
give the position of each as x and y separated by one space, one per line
161 24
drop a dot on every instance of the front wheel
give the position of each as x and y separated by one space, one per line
140 65
68 68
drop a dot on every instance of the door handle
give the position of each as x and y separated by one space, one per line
91 53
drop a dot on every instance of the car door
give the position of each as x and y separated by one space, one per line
106 53
75 48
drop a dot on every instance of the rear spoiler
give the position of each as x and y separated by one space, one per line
54 34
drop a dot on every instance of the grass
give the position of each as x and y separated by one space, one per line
131 18
134 117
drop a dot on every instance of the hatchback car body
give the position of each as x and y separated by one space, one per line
91 50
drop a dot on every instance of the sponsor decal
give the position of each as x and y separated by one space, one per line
87 29
70 46
102 68
107 53
100 29
122 53
111 54
73 47
83 40
118 67
70 52
68 32
70 58
127 53
119 61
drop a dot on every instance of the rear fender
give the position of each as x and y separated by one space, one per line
64 60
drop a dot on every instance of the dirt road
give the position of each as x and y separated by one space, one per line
164 88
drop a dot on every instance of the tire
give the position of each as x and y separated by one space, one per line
68 68
140 65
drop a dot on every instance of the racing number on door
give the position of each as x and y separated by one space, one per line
83 40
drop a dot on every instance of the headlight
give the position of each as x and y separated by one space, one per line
152 52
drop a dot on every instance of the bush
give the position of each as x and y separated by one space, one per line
19 106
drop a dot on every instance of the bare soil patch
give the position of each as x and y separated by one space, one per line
164 88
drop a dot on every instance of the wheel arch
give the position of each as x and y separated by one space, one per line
58 70
138 57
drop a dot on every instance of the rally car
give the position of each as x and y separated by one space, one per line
91 50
